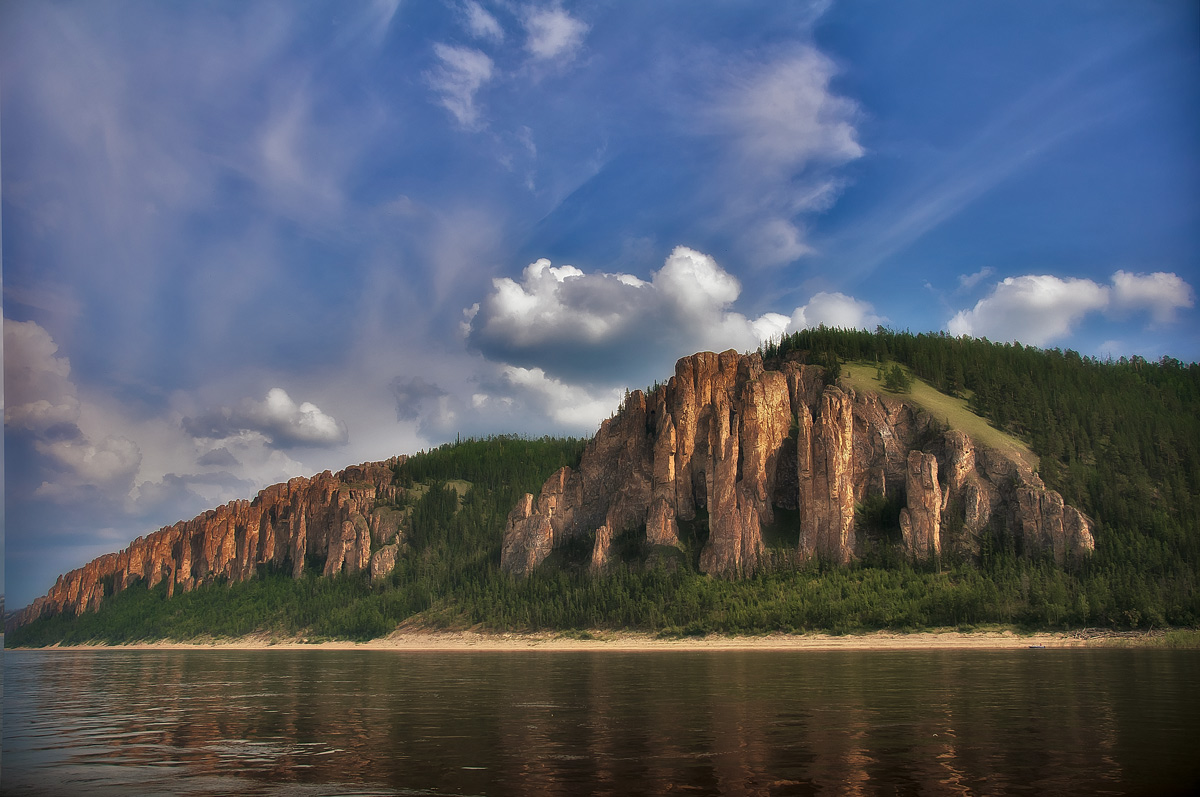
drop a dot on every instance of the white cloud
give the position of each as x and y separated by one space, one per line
784 115
835 310
968 281
569 405
553 34
1160 294
776 241
38 392
1034 309
42 400
558 304
480 23
694 284
461 74
1040 309
599 326
783 130
277 417
771 326
111 462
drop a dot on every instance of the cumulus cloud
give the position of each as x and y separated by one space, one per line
42 401
112 461
1160 294
460 74
38 392
553 34
277 418
599 326
1039 309
566 404
835 310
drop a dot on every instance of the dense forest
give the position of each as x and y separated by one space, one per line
1119 439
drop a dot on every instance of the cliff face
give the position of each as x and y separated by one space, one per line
730 441
329 516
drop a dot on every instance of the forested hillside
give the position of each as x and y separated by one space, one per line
1120 440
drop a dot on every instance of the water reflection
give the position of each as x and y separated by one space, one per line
374 722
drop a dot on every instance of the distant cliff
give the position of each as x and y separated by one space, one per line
332 518
730 439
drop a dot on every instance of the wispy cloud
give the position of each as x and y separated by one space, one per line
967 282
786 130
461 73
1045 117
480 23
553 34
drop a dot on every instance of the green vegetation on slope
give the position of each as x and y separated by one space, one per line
1121 440
953 411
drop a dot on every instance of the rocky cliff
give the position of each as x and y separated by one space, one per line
730 442
334 518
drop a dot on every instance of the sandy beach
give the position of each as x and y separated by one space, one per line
421 640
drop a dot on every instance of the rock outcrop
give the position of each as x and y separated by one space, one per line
921 520
330 517
726 443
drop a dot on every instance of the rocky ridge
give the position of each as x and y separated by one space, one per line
729 441
335 517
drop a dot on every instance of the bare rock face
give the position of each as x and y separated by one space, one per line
601 549
383 562
726 442
825 467
534 526
920 521
327 516
1048 525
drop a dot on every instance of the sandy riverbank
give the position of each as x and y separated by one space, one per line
413 641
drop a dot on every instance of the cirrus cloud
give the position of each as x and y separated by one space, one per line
460 74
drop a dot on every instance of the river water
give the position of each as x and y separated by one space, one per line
217 722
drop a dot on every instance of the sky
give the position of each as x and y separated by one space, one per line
245 241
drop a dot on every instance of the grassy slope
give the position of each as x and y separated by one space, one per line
860 375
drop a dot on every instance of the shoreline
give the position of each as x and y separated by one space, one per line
408 640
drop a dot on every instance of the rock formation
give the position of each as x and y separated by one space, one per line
330 517
727 442
921 520
724 445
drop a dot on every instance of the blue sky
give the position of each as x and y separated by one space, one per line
245 241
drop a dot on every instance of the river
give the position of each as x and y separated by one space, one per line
216 722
